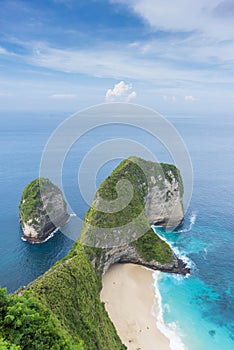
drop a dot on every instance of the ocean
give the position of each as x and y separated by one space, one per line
197 310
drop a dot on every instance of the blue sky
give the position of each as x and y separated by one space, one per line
176 56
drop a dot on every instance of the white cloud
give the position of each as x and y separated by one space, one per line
124 62
134 44
169 98
3 51
212 18
120 91
190 98
131 96
63 96
201 31
173 65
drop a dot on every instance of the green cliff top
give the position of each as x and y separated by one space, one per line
128 220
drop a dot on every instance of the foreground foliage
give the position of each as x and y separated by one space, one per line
70 290
26 324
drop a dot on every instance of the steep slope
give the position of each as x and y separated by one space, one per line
27 324
70 290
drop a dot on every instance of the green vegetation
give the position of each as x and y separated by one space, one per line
31 205
142 175
62 308
127 170
26 324
139 173
30 201
70 290
151 247
5 345
169 169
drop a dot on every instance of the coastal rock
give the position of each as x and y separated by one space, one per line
42 210
164 205
129 254
124 234
136 195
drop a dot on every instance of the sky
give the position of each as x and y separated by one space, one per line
175 56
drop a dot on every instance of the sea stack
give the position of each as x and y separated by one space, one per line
42 210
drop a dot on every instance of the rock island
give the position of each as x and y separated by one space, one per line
42 210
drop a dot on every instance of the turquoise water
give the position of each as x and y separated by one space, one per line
195 308
199 308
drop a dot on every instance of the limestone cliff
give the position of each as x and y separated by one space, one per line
136 195
139 193
42 210
156 255
163 203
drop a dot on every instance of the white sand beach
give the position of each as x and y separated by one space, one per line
129 297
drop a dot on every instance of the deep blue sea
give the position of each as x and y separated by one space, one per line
198 308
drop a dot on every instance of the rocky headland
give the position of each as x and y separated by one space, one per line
124 234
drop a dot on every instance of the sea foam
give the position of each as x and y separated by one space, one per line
51 235
181 255
168 330
192 221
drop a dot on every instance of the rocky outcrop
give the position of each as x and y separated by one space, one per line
42 210
137 195
129 254
163 205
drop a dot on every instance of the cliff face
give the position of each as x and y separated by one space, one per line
136 195
124 234
42 210
129 254
163 205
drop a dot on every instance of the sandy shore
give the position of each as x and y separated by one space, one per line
129 297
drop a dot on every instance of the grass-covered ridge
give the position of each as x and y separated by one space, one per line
127 170
61 310
70 290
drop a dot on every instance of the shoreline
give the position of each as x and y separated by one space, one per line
129 297
182 258
50 235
